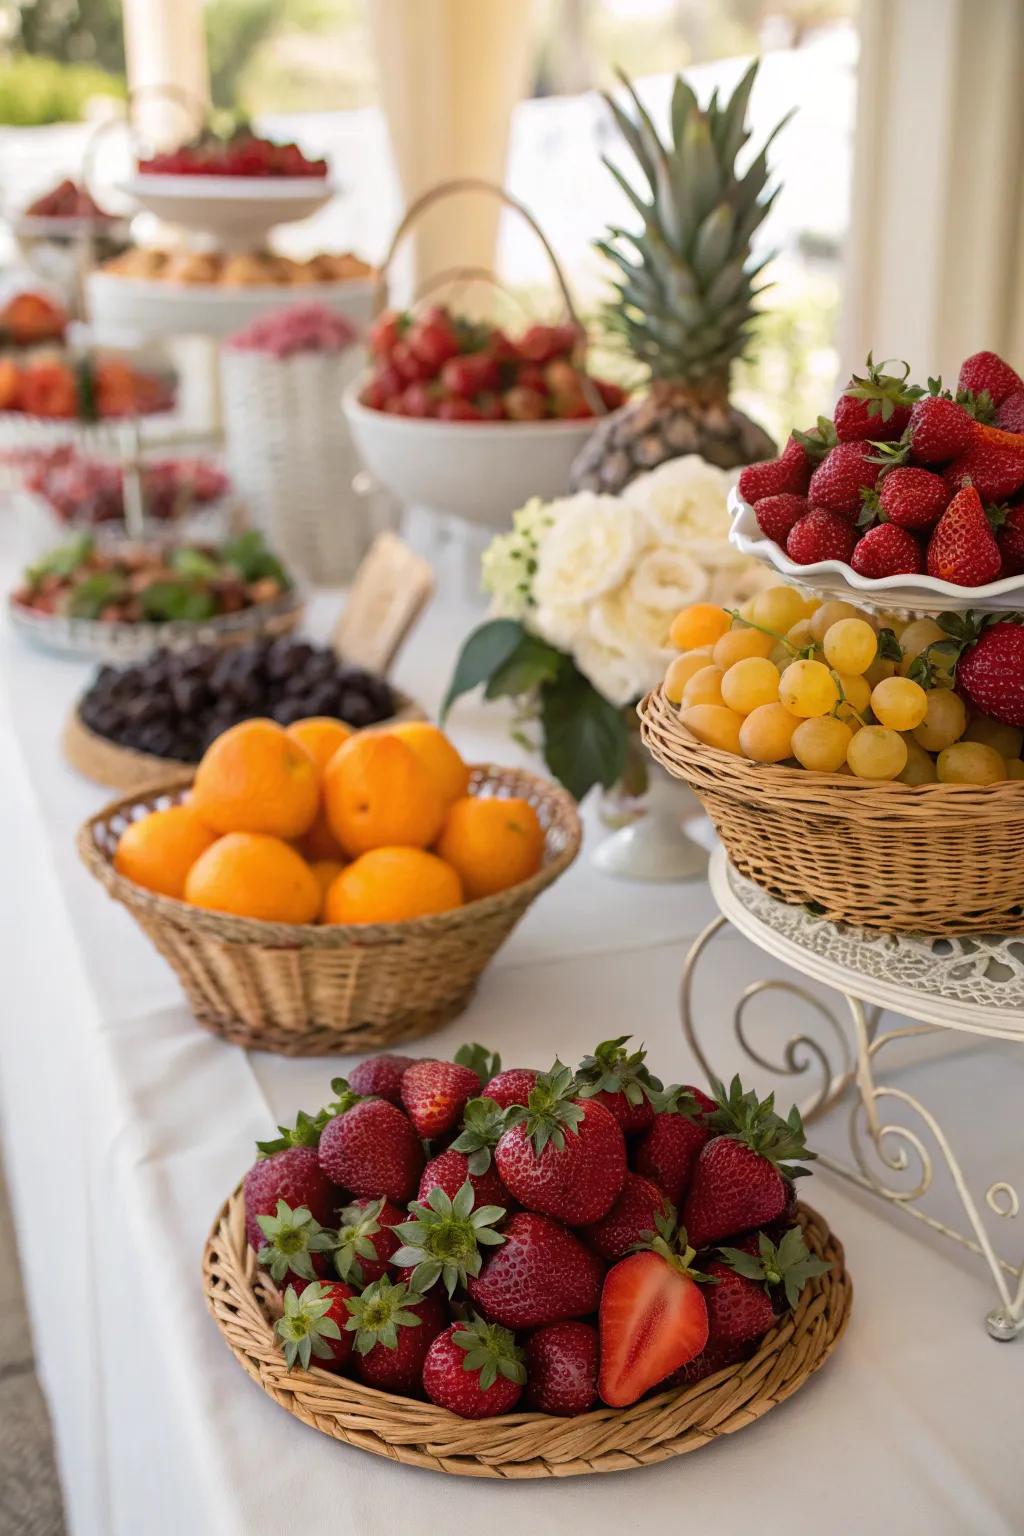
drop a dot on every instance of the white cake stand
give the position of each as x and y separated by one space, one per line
973 984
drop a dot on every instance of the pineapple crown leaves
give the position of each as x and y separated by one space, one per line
483 1124
685 304
669 1242
786 1267
486 1064
444 1240
613 1069
304 1133
352 1241
549 1111
376 1315
883 391
745 1118
491 1350
818 440
291 1236
304 1325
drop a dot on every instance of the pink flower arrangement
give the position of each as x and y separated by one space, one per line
296 328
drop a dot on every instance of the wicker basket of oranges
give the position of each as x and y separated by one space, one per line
317 890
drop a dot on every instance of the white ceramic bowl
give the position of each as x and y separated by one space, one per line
238 210
478 470
906 596
154 308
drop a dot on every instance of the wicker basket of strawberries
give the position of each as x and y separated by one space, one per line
516 1274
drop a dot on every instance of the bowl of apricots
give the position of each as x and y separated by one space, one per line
319 889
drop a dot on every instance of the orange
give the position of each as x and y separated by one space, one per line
378 794
699 624
326 872
249 874
388 885
158 850
321 735
320 842
437 755
255 778
492 843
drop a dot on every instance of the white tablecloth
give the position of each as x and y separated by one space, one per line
125 1126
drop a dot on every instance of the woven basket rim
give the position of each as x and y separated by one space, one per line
424 1435
765 777
250 930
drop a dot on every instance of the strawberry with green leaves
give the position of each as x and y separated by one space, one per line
370 1148
756 1281
444 1239
512 1086
987 371
631 1219
295 1246
312 1326
875 406
619 1080
288 1169
470 1157
666 1154
474 1369
365 1242
653 1317
541 1274
435 1093
562 1155
739 1180
391 1327
380 1077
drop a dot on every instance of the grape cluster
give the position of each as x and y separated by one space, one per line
825 686
174 703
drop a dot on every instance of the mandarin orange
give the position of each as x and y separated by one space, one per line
378 794
437 755
326 872
158 850
388 885
249 874
321 735
492 843
256 778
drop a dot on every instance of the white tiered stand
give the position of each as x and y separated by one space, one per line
975 985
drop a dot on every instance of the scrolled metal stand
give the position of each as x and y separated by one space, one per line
891 1161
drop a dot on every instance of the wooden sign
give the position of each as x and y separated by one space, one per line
391 589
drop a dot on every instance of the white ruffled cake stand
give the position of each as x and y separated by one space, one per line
975 985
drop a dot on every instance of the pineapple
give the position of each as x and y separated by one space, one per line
685 290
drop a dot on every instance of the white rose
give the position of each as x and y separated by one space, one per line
615 675
560 624
635 633
588 550
668 578
683 499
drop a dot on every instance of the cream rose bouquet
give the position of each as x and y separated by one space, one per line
584 590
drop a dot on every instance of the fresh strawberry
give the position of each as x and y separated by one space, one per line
776 515
443 1240
990 673
963 548
562 1155
667 1153
739 1180
365 1242
1010 539
1010 415
987 371
380 1077
561 1368
511 1086
386 331
653 1318
618 1079
392 1328
631 1219
755 1282
821 535
292 1174
312 1327
434 1094
541 1274
939 429
543 343
712 1358
887 550
449 1170
469 375
370 1147
295 1246
912 498
791 472
995 469
475 1370
843 473
875 405
433 337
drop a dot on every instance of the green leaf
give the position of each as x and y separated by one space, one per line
62 561
485 650
249 556
92 595
585 737
177 600
531 664
193 564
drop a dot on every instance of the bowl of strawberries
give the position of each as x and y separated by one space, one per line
910 496
527 1273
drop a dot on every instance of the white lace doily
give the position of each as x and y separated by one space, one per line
975 983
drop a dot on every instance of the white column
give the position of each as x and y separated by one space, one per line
450 73
165 46
935 258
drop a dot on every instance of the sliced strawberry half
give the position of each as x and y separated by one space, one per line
653 1318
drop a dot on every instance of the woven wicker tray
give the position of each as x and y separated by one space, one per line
244 1305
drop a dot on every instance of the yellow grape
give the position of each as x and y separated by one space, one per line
880 668
850 646
856 691
715 726
766 734
821 744
680 670
893 622
778 608
704 687
920 767
1014 768
807 688
899 703
944 720
830 613
799 634
699 624
970 762
750 682
1007 739
877 753
739 643
917 637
